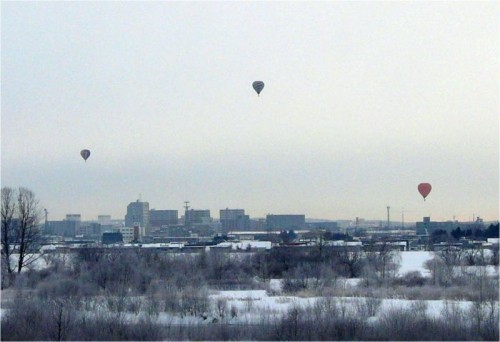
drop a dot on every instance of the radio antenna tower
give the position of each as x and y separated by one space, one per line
187 221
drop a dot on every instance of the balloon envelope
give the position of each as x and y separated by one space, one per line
424 189
258 86
85 154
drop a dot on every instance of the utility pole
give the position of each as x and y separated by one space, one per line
388 217
46 220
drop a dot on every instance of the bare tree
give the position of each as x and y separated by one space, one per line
60 315
29 232
8 210
383 259
352 258
20 231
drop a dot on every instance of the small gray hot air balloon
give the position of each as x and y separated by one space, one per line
258 86
85 154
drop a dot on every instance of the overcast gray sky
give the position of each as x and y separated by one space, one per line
362 102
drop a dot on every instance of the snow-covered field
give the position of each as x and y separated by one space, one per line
414 261
252 303
254 306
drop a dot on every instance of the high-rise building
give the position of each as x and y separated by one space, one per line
285 222
104 220
128 234
138 214
111 238
159 218
89 229
231 214
74 217
234 219
332 227
65 228
428 227
193 216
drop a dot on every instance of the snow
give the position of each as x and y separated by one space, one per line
251 244
159 245
344 243
488 270
39 264
243 245
275 284
252 303
414 261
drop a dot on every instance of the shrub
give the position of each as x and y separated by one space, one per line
413 278
55 288
368 306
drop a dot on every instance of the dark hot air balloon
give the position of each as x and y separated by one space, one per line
85 154
424 189
258 86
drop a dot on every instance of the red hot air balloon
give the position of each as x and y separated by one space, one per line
85 154
424 189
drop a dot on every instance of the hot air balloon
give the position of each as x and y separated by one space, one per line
85 154
258 86
424 189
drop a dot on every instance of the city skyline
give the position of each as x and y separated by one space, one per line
362 102
396 216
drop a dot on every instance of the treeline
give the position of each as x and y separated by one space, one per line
456 234
97 271
136 270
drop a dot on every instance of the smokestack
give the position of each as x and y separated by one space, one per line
388 217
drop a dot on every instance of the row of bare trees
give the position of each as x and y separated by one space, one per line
65 318
20 233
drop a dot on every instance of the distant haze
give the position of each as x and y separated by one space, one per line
362 102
